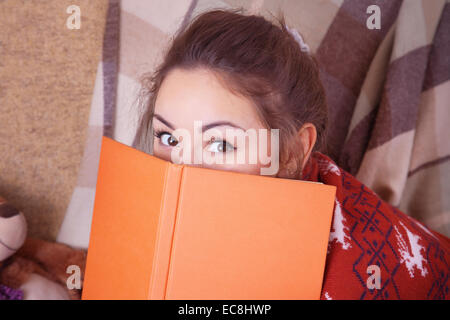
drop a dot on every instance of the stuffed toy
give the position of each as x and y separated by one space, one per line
34 269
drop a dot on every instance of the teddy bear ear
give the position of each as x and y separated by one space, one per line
7 211
13 229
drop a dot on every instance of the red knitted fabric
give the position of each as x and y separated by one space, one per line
413 260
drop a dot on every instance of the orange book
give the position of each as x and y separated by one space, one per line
167 231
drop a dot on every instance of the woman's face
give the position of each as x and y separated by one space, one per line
189 96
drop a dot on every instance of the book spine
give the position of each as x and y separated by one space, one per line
167 216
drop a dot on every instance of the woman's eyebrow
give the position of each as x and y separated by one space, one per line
204 127
167 123
220 123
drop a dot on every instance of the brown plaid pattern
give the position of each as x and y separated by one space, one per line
388 92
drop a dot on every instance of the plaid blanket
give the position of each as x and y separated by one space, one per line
387 90
368 234
388 95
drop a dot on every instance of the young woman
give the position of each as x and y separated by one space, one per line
232 71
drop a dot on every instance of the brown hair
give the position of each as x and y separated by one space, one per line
255 59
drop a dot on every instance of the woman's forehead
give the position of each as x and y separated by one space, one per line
197 94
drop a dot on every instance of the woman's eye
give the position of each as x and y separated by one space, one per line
167 139
220 146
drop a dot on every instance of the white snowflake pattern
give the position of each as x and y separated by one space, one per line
414 257
328 166
422 227
339 233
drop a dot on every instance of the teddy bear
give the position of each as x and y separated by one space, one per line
35 268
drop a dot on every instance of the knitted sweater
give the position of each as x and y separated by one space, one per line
376 251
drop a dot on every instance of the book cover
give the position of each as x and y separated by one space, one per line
167 231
